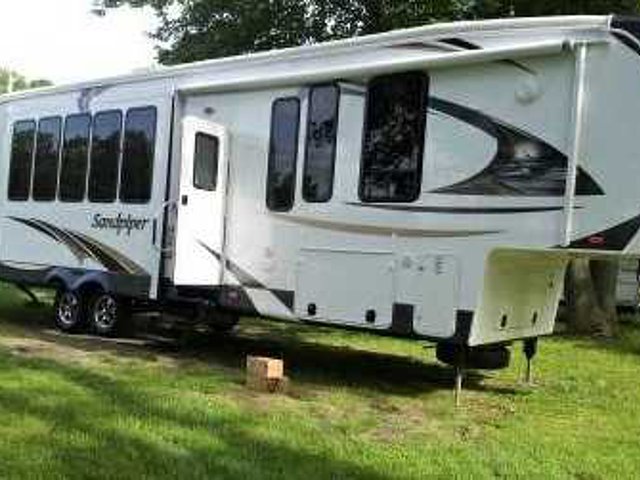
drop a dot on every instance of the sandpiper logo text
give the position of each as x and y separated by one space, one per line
120 223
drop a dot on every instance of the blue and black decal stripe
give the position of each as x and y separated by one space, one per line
616 238
77 249
628 31
84 247
248 281
524 165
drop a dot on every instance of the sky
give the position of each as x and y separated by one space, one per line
62 41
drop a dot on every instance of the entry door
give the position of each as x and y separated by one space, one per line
201 204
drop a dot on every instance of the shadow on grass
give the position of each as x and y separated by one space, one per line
328 365
114 430
307 361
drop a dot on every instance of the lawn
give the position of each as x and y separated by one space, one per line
360 407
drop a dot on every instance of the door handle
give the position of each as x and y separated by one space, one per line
184 200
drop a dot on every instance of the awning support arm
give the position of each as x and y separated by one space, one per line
576 141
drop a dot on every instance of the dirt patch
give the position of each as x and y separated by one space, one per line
35 348
81 349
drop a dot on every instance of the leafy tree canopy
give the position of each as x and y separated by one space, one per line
193 30
19 82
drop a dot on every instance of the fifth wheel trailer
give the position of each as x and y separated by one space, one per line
431 182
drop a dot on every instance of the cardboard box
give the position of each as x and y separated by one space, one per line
266 374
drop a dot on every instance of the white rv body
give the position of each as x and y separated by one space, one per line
529 158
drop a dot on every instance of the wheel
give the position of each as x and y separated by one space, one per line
487 357
107 314
222 322
70 315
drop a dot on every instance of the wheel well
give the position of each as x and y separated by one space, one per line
57 284
90 287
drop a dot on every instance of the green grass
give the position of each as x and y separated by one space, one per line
360 407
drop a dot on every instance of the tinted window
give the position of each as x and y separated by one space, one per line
283 153
137 155
45 170
21 159
322 129
205 162
105 153
75 155
394 138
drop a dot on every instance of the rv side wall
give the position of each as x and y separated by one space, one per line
61 229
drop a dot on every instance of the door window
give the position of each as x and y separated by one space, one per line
205 162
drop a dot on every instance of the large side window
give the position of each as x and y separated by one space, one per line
322 128
283 154
45 170
75 156
394 136
205 162
137 155
21 159
105 155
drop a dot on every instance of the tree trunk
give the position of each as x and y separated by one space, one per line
590 293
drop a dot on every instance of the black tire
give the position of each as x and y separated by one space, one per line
222 322
108 315
70 314
488 357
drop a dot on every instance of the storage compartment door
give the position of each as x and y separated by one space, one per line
345 287
429 284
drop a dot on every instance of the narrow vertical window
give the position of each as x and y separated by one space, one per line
394 136
137 155
105 156
322 129
45 170
21 159
75 157
283 154
205 162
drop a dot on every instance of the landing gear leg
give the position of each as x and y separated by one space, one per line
530 349
458 386
460 362
462 357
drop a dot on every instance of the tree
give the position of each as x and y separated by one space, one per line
590 294
527 8
18 82
204 29
214 28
